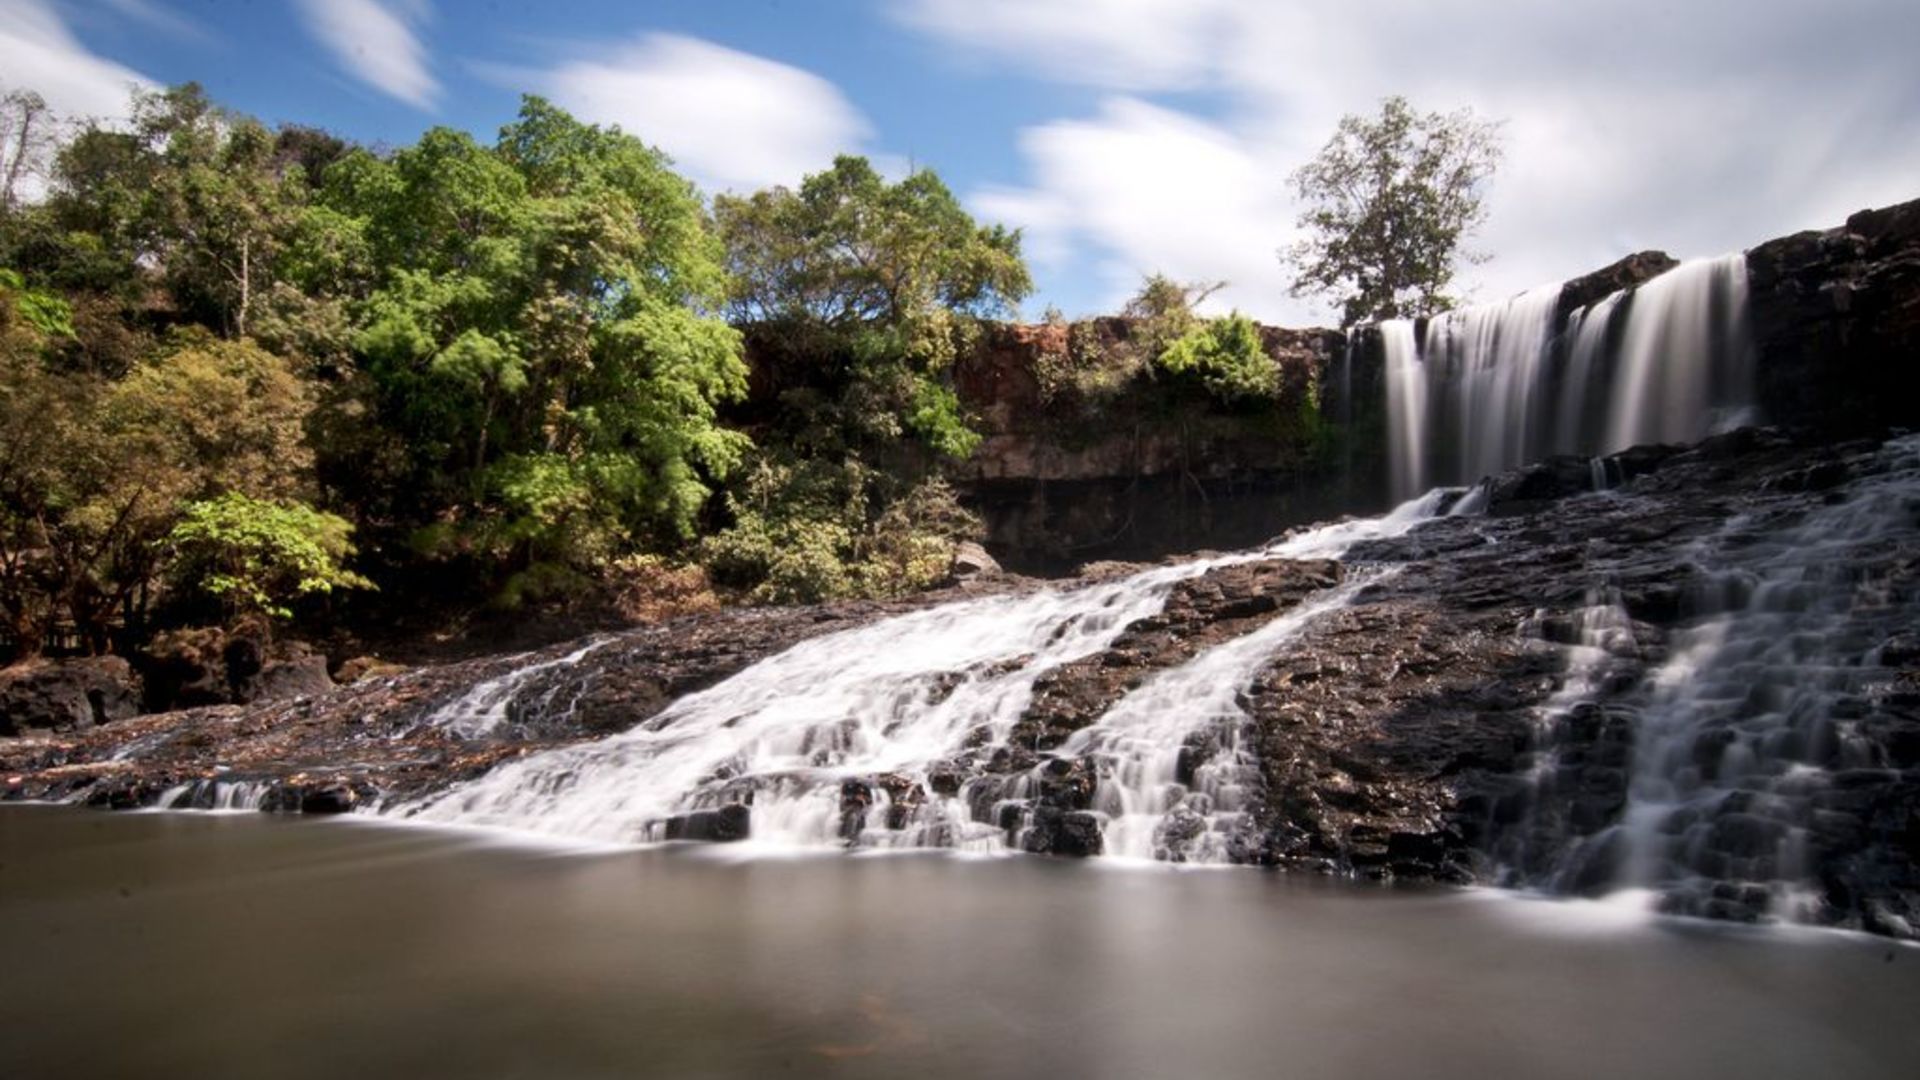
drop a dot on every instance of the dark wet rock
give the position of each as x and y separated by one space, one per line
1053 831
67 695
1635 269
282 680
724 825
209 666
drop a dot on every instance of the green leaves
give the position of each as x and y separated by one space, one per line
1388 202
848 247
542 342
1225 357
44 311
257 556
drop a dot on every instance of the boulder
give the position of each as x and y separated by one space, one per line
200 666
64 695
728 823
285 680
970 560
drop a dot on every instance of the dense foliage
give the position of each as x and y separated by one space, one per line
1389 201
245 369
863 293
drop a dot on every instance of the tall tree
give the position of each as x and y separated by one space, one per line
1388 202
877 284
539 340
204 197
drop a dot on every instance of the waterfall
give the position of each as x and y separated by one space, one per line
1685 366
483 709
1160 803
883 735
248 795
1750 731
1490 387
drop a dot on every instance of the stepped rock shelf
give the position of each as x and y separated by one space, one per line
1687 669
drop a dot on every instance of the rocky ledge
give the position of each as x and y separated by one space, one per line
1487 713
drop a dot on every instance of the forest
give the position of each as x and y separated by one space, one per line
255 375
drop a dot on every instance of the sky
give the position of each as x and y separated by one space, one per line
1124 137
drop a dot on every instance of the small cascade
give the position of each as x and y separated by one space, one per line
1175 774
483 709
234 795
1750 731
887 735
1490 387
813 738
1599 648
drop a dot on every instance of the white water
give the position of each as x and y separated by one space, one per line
1685 368
481 710
231 795
1745 726
1151 813
1494 386
896 699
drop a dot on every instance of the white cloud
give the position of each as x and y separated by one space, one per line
1128 44
1697 128
728 118
377 42
1154 191
39 52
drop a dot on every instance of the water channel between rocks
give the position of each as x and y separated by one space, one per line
245 945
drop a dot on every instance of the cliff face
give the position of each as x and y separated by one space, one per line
1066 476
1087 455
1836 323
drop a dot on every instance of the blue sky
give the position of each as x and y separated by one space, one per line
1124 136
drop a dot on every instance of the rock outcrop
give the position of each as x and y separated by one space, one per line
67 695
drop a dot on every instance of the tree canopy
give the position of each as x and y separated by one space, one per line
243 366
1388 202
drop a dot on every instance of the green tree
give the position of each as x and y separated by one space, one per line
871 289
257 556
537 343
203 197
95 472
860 294
1388 202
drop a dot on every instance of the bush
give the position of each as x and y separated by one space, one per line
256 557
1226 358
806 531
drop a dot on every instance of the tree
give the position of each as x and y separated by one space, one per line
537 345
860 294
873 288
1388 202
257 556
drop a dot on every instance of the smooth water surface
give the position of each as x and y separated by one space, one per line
249 946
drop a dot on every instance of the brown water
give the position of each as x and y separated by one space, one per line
249 946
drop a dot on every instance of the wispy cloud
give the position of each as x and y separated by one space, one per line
731 119
154 16
378 43
1693 127
39 52
1155 191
